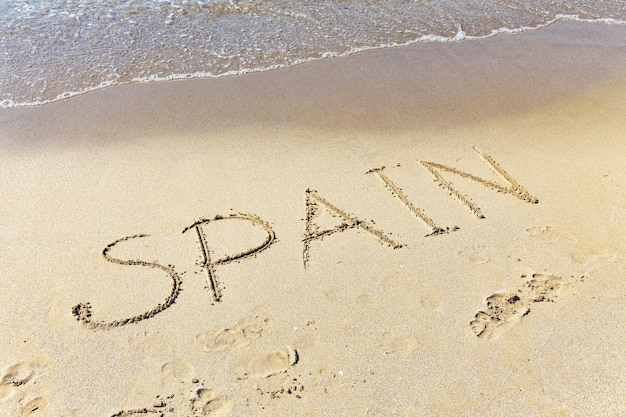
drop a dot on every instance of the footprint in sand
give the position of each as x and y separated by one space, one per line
542 288
591 255
16 375
268 374
34 408
178 371
505 310
402 347
203 402
475 255
238 336
548 234
207 403
582 255
264 366
271 375
17 387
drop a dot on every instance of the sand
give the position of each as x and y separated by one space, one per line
234 246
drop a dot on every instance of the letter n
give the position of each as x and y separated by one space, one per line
514 188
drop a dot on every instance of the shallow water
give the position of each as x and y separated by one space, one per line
50 50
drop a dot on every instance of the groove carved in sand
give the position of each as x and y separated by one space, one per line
140 412
209 266
83 311
396 191
514 188
505 310
312 232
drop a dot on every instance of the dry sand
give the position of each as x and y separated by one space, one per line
228 247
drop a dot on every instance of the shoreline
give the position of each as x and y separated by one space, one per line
503 80
233 247
460 36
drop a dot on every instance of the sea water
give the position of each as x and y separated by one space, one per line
54 49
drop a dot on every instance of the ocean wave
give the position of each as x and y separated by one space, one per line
53 50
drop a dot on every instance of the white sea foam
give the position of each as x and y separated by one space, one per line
55 49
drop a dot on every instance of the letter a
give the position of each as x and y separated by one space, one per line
312 231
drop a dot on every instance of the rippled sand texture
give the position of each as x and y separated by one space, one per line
429 230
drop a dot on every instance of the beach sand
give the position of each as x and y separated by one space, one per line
233 247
